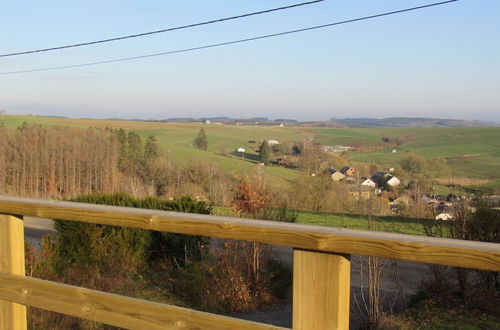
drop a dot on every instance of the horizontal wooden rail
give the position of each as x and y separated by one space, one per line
321 265
125 312
442 251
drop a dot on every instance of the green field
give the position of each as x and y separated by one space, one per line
223 140
470 152
175 140
347 136
389 224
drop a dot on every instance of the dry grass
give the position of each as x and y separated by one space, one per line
462 181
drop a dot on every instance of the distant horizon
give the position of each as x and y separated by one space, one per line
227 117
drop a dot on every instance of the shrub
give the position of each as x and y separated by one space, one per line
111 258
132 247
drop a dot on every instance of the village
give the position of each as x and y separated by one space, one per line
400 193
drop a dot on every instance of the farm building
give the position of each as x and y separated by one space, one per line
337 148
382 178
393 182
368 182
335 175
347 170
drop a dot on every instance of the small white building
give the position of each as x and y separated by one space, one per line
444 216
273 142
368 182
241 149
393 182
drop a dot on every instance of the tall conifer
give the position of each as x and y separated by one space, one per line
201 140
264 153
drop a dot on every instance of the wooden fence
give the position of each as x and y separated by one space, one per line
321 266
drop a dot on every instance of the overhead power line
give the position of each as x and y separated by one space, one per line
235 41
160 31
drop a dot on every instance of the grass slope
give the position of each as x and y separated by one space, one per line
176 140
470 152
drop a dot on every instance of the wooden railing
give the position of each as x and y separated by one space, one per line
321 266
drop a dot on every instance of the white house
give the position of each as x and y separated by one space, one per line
241 149
393 181
273 142
444 216
368 182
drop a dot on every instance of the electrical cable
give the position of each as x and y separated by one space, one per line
160 31
232 42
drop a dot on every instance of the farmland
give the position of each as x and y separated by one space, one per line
472 152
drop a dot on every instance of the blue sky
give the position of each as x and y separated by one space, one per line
437 62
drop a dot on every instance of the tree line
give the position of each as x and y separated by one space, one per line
56 161
63 162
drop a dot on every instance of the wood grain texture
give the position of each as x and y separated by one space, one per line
443 251
125 312
12 315
321 289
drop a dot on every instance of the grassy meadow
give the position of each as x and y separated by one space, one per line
391 224
470 152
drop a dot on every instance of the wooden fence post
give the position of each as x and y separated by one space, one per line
12 315
321 289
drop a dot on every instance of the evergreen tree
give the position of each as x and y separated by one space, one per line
148 166
151 149
264 153
134 146
201 140
121 138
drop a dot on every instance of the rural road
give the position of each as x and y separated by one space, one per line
411 274
34 228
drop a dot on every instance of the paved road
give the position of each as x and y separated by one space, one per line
411 274
36 227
